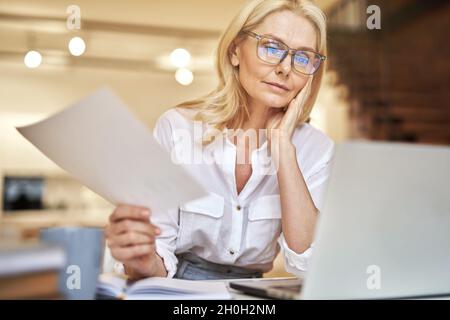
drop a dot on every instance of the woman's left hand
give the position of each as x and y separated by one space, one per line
282 124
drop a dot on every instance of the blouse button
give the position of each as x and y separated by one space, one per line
231 252
238 208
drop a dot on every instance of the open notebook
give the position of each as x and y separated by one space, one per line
157 288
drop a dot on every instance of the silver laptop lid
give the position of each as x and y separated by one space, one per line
385 228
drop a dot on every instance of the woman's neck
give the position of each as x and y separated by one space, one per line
257 121
258 116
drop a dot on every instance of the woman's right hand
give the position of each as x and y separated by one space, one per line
131 238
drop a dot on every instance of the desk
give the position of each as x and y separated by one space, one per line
237 295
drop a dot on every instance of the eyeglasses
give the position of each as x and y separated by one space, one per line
274 52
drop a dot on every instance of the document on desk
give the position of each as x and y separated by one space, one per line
100 143
158 288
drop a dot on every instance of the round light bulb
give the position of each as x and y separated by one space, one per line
180 58
184 76
77 46
32 59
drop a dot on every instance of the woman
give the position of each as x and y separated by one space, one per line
270 66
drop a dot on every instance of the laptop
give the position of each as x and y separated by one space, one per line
384 232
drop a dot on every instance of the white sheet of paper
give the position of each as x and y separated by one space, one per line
100 143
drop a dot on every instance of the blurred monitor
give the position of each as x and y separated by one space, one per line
22 193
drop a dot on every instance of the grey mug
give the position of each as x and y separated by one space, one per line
84 254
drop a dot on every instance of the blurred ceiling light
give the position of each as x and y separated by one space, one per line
32 59
77 46
184 76
180 58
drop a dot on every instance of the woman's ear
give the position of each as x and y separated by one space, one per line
234 54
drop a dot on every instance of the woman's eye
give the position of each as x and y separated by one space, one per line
274 49
301 59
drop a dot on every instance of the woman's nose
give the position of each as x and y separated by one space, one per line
284 66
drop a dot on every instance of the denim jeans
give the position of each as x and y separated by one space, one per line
192 267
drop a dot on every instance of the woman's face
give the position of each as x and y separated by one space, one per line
258 77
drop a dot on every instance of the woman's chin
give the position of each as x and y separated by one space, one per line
272 101
276 102
277 106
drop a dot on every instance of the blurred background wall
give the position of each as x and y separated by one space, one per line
383 84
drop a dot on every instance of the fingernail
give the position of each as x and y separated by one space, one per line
145 213
158 231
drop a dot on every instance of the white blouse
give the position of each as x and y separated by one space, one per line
225 227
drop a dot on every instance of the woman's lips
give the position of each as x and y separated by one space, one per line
276 87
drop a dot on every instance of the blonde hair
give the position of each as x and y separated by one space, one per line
227 106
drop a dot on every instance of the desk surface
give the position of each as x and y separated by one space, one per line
237 295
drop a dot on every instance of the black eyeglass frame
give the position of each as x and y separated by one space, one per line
289 50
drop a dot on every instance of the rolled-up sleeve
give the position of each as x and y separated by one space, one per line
297 263
165 243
